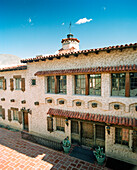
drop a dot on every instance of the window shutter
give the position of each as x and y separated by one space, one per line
50 124
23 84
4 84
3 113
11 84
20 117
9 115
134 141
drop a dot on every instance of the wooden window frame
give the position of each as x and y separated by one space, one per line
1 111
118 83
15 118
100 132
57 85
118 138
81 88
17 83
60 124
129 83
50 84
95 79
60 88
1 83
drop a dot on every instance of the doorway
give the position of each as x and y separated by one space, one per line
25 121
87 133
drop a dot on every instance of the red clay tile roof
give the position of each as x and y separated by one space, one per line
43 58
89 70
72 49
18 67
73 39
125 121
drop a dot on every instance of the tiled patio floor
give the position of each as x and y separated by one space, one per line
16 153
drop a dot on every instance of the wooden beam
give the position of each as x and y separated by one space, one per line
43 59
57 57
87 84
66 56
50 58
86 54
56 84
127 85
75 55
108 51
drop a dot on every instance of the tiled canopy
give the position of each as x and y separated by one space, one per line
89 70
125 121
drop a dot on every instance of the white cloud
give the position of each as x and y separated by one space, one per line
82 21
104 8
30 20
63 23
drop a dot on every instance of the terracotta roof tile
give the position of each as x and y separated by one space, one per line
80 52
88 70
95 117
18 67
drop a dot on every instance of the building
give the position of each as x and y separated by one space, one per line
88 95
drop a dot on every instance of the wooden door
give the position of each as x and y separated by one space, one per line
75 135
87 134
25 121
134 144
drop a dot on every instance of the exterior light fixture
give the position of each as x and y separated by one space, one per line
108 130
23 109
66 122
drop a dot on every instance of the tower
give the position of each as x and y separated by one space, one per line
69 44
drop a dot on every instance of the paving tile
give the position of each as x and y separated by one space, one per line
19 154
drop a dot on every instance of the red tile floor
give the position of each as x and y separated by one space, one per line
18 154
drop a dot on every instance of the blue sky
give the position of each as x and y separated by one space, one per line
32 27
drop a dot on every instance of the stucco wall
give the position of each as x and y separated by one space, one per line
38 118
118 151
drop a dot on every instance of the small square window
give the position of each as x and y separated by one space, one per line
116 106
33 82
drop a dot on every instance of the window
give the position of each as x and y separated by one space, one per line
51 84
100 132
18 83
95 84
0 111
15 115
133 84
80 84
74 127
118 84
60 124
1 83
60 86
122 136
61 80
33 82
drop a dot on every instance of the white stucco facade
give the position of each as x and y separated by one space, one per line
38 93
